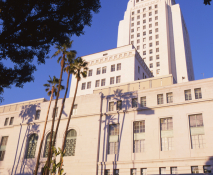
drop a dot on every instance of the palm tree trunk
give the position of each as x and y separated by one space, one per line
42 138
62 107
68 122
53 119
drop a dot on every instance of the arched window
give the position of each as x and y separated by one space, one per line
70 143
32 143
46 148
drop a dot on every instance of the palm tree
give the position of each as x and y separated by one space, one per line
69 61
51 89
79 70
61 49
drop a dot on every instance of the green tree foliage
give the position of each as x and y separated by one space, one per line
207 2
29 28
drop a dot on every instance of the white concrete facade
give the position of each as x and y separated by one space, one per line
92 121
132 68
157 30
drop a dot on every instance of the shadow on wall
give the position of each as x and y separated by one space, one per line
119 118
208 167
21 165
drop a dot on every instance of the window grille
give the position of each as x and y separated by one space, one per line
134 171
188 95
111 106
118 79
112 80
88 85
103 70
194 170
162 170
90 73
119 66
113 138
198 94
169 97
98 71
107 172
166 124
166 143
32 144
119 105
103 82
97 83
70 144
134 103
139 126
6 121
38 113
160 99
3 143
207 169
11 120
116 172
174 170
143 101
46 148
112 68
83 86
143 171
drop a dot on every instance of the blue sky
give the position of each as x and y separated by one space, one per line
102 35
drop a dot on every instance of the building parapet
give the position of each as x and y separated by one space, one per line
137 85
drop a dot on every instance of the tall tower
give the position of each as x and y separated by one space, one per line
157 30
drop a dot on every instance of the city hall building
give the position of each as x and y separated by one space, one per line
139 110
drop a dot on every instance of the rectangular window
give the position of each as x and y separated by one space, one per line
157 43
166 124
139 137
194 170
119 66
156 18
132 30
157 36
156 6
144 9
150 25
150 58
113 138
119 105
132 36
150 38
157 57
144 15
111 106
113 68
144 33
151 65
173 170
150 44
198 93
6 121
138 23
138 17
133 13
157 49
116 172
4 140
169 97
156 24
88 85
74 112
98 71
83 86
138 29
118 79
103 82
107 172
143 171
132 18
144 46
103 70
144 39
134 171
162 170
207 169
138 11
11 120
38 113
160 99
97 83
143 101
138 34
144 52
150 51
150 19
112 80
144 21
90 73
156 12
188 95
150 13
197 131
132 24
139 69
138 47
134 103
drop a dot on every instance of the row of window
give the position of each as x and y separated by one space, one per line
144 15
144 22
144 27
166 134
104 69
162 170
144 34
103 82
144 39
32 145
144 9
6 122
